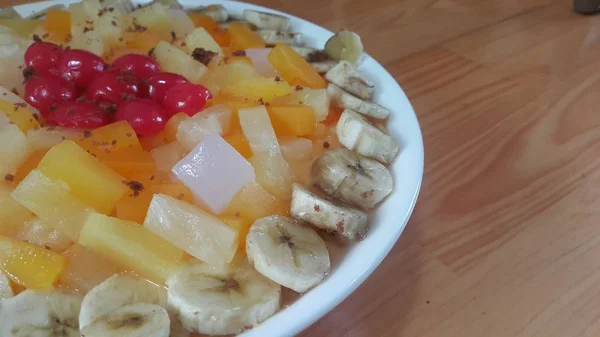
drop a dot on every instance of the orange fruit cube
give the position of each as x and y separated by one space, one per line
294 68
28 265
293 120
58 22
110 137
220 35
240 143
29 165
242 37
89 180
170 130
257 90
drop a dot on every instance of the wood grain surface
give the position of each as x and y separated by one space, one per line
505 238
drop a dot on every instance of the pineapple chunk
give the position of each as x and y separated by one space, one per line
19 112
197 232
14 150
257 89
112 137
154 17
28 265
132 246
89 180
258 130
44 138
274 174
86 269
38 232
79 19
12 214
109 28
51 201
240 224
166 156
200 38
174 60
318 99
214 120
29 165
90 41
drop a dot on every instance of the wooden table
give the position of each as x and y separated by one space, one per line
505 239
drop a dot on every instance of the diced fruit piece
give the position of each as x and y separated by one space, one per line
294 68
261 62
20 26
132 246
274 174
12 214
44 138
14 150
113 87
29 265
58 22
170 130
52 202
110 138
242 37
333 116
109 28
40 233
89 180
215 172
239 143
176 61
259 89
200 38
234 105
86 269
241 225
79 19
140 66
90 42
296 148
20 113
154 17
133 206
80 115
318 99
293 120
182 24
214 120
29 165
128 162
166 156
258 130
253 202
81 66
145 40
197 232
176 190
186 97
158 84
220 35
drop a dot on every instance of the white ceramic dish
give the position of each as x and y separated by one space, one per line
389 220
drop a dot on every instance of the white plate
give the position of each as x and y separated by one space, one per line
389 220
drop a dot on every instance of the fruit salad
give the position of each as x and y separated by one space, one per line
170 172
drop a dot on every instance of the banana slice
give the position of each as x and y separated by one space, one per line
270 36
288 253
356 133
346 100
323 66
35 313
352 178
5 289
345 46
346 76
133 320
324 213
264 20
116 292
222 300
216 12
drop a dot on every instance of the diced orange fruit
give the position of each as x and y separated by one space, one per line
134 207
294 68
132 246
12 214
110 137
333 116
220 35
240 143
265 89
86 269
128 162
58 22
145 40
29 165
292 120
29 265
89 180
170 130
242 37
241 224
20 115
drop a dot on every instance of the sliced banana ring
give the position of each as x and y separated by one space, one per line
264 20
346 100
358 134
222 300
324 213
346 76
350 177
270 36
133 320
40 314
288 253
116 292
345 46
5 289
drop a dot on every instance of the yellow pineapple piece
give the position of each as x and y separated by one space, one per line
52 202
174 60
28 265
20 114
86 269
14 150
265 89
132 246
12 214
112 137
89 180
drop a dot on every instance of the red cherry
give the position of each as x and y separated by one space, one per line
80 115
43 56
157 85
140 66
186 97
46 92
146 116
80 66
112 87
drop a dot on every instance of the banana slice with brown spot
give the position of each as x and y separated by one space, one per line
346 100
346 76
270 36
